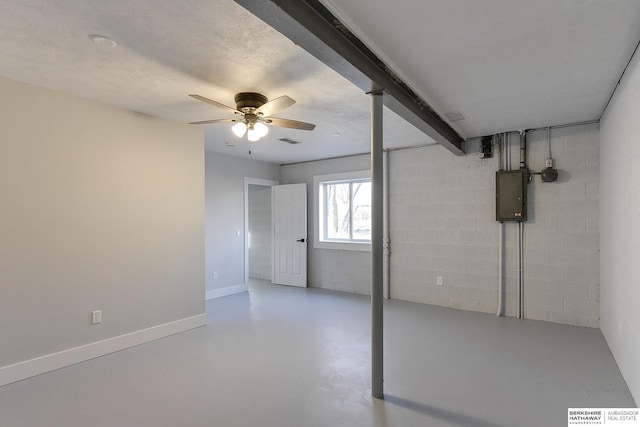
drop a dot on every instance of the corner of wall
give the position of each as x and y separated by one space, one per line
619 218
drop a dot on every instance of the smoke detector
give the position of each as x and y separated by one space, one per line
101 40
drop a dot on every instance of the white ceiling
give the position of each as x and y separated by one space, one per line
506 64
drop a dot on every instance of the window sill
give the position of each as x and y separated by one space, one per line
343 246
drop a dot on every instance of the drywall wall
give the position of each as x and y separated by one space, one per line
101 209
260 241
443 224
348 271
224 187
620 226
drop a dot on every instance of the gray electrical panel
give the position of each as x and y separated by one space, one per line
511 195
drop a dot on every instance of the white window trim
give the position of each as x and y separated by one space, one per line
318 212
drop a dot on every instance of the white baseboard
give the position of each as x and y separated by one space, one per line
223 292
50 362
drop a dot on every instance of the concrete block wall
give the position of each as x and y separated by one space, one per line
345 271
443 225
562 268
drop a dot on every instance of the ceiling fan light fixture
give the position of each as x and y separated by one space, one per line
253 135
261 129
239 129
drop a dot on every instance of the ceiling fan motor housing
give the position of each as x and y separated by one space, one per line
249 100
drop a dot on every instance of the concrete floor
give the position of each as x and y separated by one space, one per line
281 356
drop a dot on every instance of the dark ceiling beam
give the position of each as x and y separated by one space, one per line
314 28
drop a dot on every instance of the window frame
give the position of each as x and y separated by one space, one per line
320 217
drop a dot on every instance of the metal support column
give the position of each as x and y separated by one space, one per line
377 246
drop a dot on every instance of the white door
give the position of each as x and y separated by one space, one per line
290 234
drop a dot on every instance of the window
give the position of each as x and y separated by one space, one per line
347 210
343 211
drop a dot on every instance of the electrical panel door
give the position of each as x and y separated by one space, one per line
511 195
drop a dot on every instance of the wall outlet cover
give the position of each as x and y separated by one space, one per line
96 317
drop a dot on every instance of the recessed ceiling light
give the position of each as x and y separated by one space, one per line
102 40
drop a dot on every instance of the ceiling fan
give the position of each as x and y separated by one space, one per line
253 112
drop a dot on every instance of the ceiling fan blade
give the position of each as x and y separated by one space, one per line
206 122
215 103
275 105
288 123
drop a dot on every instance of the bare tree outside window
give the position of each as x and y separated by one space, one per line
361 221
348 211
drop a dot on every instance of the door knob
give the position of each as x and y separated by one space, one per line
300 240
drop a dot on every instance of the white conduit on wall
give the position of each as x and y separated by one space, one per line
505 164
523 165
519 244
502 141
520 312
386 243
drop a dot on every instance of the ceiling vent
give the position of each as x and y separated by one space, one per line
290 141
455 116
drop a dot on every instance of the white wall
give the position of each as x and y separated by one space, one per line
100 208
443 224
347 271
225 217
260 241
620 226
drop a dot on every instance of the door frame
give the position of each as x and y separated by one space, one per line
247 182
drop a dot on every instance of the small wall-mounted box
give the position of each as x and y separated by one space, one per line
486 147
511 195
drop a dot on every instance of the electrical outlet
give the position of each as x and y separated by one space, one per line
96 317
215 275
439 280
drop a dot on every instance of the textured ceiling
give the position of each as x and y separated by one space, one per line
506 64
167 50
